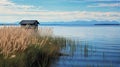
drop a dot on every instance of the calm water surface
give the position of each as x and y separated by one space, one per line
96 46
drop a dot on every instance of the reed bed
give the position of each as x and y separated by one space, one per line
13 40
28 48
45 31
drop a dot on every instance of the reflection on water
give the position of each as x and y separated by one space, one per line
82 54
86 51
98 47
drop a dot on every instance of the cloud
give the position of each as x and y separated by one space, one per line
94 1
12 12
9 5
106 5
6 2
51 16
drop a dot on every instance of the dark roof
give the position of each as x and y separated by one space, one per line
29 22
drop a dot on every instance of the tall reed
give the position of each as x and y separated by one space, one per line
16 39
21 47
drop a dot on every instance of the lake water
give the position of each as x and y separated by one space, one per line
96 46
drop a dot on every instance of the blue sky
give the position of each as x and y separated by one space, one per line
71 5
59 10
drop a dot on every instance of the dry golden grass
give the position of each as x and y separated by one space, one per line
45 31
16 39
20 47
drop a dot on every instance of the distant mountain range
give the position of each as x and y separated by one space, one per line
78 23
72 23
